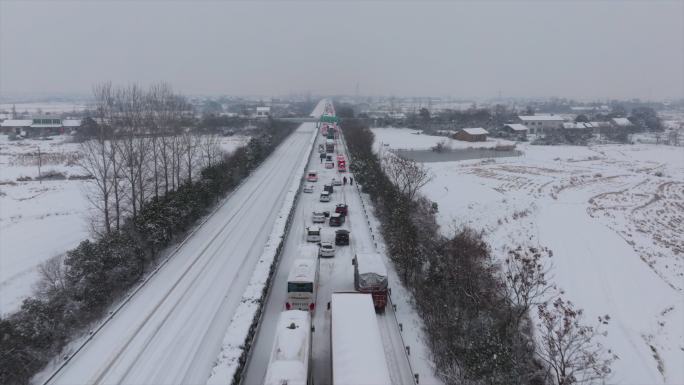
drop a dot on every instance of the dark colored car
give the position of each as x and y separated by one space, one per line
328 187
336 220
342 209
342 237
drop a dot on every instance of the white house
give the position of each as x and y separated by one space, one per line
621 122
263 112
540 123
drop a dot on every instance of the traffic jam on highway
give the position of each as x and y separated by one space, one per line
325 320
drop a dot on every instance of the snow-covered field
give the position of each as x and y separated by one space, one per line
42 220
613 216
38 220
408 139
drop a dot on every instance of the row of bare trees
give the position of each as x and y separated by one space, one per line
142 148
477 311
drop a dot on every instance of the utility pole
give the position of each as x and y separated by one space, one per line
40 164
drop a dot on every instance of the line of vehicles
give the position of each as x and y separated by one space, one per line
357 353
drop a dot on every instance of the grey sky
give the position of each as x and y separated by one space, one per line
461 49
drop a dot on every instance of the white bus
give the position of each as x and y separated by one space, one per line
302 284
358 356
291 353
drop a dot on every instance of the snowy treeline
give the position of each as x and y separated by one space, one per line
139 147
476 313
148 201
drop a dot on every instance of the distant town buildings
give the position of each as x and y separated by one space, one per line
540 123
263 112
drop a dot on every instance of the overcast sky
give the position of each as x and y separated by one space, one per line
585 49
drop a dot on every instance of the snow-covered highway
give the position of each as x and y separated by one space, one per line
336 274
170 331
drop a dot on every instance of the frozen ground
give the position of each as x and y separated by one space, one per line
409 139
42 220
613 216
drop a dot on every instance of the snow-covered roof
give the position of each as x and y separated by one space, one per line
358 356
622 122
531 118
302 270
517 127
290 353
476 131
16 123
263 109
71 122
371 263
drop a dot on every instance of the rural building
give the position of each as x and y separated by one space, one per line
621 122
516 129
477 134
541 123
263 112
39 126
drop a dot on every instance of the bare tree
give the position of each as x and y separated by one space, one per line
96 161
210 149
569 348
407 174
526 274
53 277
190 143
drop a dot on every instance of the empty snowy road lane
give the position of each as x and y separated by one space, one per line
171 330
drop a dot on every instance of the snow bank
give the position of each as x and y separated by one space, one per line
242 329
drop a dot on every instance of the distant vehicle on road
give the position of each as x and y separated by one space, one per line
342 209
370 276
301 285
329 164
325 197
329 188
336 220
312 176
290 361
313 234
336 182
326 249
318 217
357 352
342 237
309 188
329 146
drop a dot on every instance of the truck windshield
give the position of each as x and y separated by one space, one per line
300 287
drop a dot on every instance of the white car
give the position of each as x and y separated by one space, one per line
308 188
313 234
318 217
336 182
326 249
325 197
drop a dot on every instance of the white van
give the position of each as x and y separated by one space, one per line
313 234
302 283
318 217
312 176
325 196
